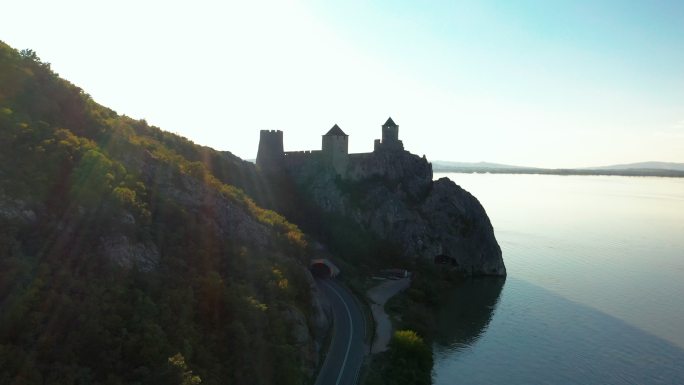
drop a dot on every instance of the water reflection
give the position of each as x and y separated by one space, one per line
538 337
612 243
466 312
594 293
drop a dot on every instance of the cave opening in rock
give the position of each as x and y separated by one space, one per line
444 259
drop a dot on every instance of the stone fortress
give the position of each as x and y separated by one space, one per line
334 154
389 193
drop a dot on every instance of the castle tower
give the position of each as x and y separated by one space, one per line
336 148
271 154
390 137
390 131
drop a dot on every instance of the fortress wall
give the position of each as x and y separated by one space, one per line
302 154
391 165
388 145
302 158
360 156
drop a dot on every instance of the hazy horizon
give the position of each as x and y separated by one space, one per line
644 164
568 84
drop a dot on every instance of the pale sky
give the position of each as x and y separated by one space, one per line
537 83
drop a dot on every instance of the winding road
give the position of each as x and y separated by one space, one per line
346 351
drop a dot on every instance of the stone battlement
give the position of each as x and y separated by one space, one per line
298 153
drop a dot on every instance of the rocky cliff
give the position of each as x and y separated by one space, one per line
392 195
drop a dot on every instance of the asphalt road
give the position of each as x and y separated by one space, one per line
345 355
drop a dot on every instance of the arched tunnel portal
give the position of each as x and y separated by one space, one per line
323 268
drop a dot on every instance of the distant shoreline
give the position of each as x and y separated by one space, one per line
560 171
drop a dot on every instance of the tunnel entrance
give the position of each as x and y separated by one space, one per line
323 268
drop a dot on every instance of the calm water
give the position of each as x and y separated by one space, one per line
595 291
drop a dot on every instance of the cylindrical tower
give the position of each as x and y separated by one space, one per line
271 154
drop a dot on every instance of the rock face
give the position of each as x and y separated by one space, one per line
16 209
310 336
463 228
120 249
392 194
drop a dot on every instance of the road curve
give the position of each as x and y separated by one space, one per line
346 351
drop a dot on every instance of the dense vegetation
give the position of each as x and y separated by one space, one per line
414 313
192 304
407 362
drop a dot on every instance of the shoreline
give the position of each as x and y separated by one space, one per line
378 296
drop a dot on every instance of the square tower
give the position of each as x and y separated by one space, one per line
336 148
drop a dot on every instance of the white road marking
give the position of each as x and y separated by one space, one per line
351 333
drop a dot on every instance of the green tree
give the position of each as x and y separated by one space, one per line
410 359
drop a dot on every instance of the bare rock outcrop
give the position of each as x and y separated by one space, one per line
310 334
127 254
392 194
16 209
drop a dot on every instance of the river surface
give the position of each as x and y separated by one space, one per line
595 286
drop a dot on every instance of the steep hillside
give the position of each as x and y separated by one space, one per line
127 254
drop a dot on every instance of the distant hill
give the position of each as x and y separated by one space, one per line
438 164
642 166
661 169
